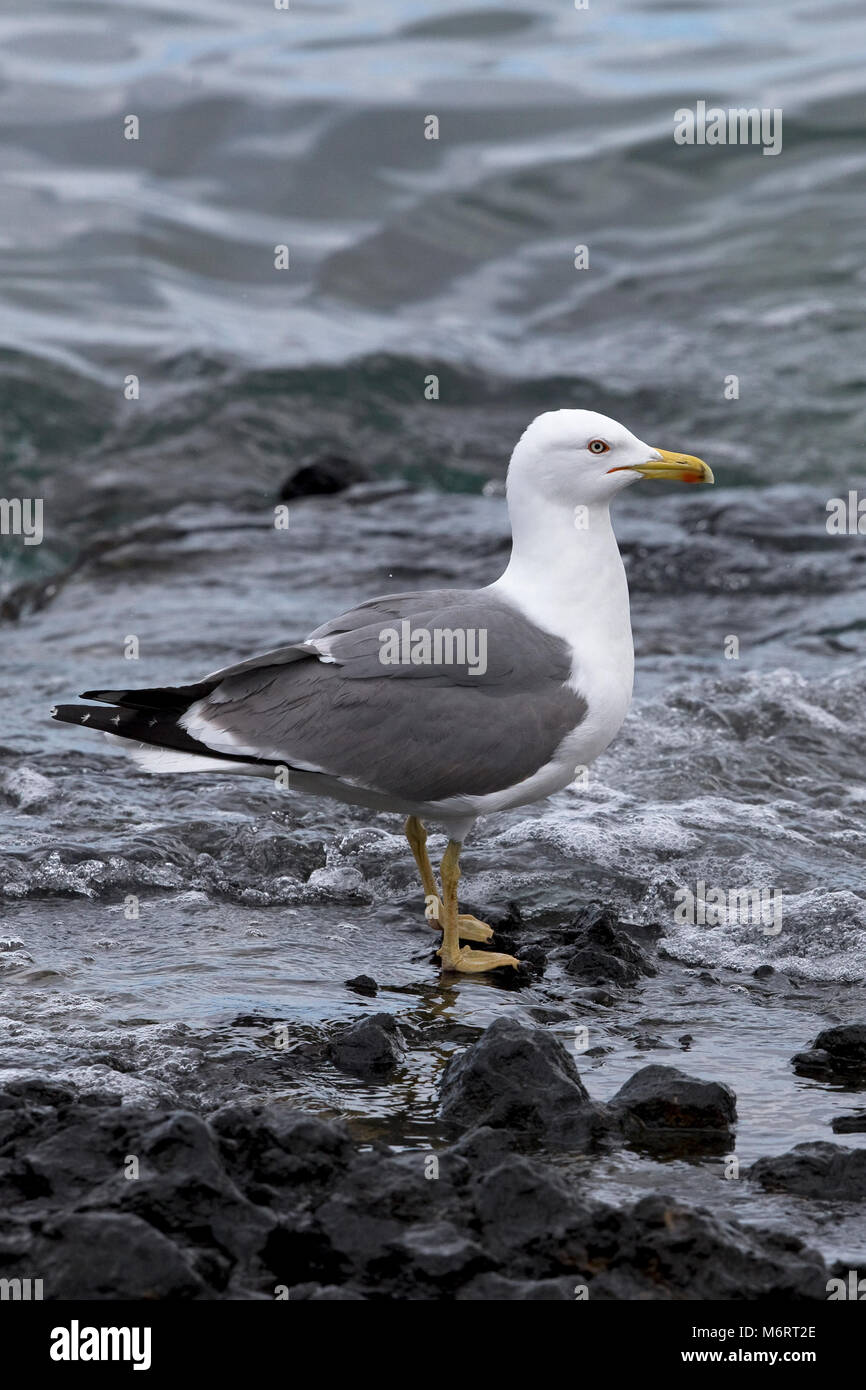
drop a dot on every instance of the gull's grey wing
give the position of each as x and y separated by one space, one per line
420 732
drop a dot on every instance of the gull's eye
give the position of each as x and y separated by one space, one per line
598 446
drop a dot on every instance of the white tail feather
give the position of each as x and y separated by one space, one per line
156 760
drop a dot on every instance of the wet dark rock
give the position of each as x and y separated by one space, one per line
661 1249
479 1150
603 953
849 1124
664 1108
328 473
550 1013
769 981
371 1048
836 1054
522 977
175 1219
363 984
36 1091
820 1170
55 1143
165 1170
593 946
68 1162
441 1252
267 1146
261 1199
521 1079
16 1236
184 1186
529 1216
535 957
815 1062
365 1217
505 919
298 1250
540 1231
594 994
106 1255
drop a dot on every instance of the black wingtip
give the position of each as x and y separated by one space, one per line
107 697
75 714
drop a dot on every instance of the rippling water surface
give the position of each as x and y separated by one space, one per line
409 257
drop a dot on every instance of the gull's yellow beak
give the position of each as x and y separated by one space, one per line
685 468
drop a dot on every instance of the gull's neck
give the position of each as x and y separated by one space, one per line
570 580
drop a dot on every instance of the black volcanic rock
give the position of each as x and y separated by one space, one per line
370 1048
525 1209
325 474
270 1145
184 1184
263 1202
662 1106
444 1253
365 1218
602 952
849 1124
363 984
661 1249
481 1149
820 1170
521 1079
836 1054
107 1255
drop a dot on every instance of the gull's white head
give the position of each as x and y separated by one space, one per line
574 457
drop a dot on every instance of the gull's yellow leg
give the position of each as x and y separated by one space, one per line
454 956
417 837
470 928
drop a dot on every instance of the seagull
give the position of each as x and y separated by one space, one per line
441 704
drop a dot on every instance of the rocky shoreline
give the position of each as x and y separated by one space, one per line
109 1200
